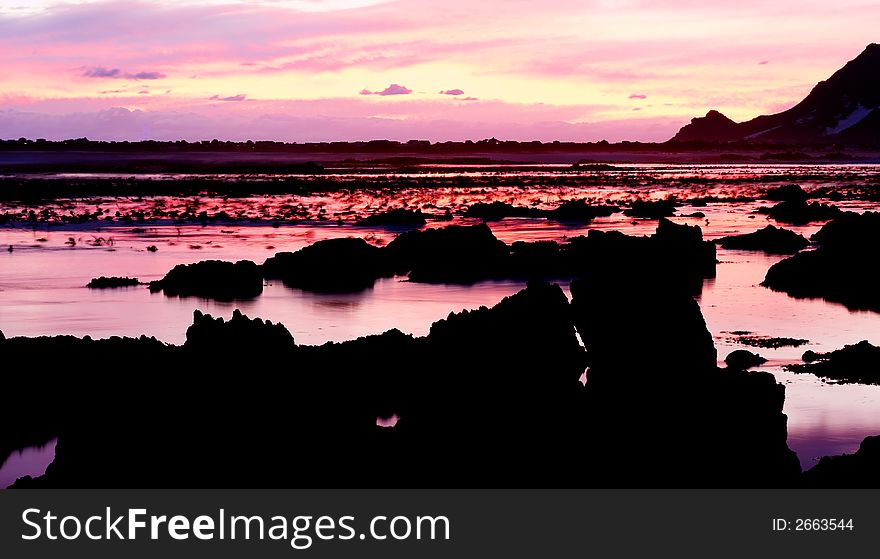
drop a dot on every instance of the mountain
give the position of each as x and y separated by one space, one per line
843 108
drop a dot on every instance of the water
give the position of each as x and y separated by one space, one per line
42 281
31 461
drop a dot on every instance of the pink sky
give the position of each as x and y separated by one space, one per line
317 70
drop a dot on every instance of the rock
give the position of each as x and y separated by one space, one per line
333 266
853 363
111 282
802 213
651 209
786 193
770 239
741 359
580 211
840 270
485 390
653 371
455 254
152 248
212 279
400 217
860 470
494 211
250 335
756 340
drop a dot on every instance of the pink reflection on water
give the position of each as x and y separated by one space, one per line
31 461
387 422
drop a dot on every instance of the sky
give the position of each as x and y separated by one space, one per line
342 70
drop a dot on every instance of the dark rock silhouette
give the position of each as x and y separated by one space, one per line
652 209
494 211
399 217
489 397
345 265
858 470
853 363
454 254
770 239
757 340
840 269
714 127
740 359
111 282
580 211
786 193
801 212
653 371
212 279
239 333
843 108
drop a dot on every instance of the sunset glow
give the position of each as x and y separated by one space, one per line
314 70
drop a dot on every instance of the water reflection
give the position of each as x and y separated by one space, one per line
31 461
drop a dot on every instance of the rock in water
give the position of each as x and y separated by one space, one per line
741 360
332 266
772 240
455 254
841 269
212 279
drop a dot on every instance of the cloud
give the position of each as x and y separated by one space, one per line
452 92
239 97
393 89
468 99
638 96
116 73
145 76
761 63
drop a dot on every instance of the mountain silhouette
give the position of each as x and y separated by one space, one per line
843 108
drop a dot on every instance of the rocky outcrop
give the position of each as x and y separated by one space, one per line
801 212
345 265
454 254
653 372
741 359
786 193
770 239
111 282
853 363
497 210
400 217
239 333
212 279
841 269
860 470
651 209
579 211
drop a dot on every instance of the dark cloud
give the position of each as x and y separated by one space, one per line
393 89
452 92
101 72
761 63
145 76
239 97
638 96
116 73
